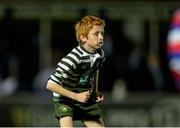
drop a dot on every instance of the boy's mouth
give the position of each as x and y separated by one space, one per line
100 44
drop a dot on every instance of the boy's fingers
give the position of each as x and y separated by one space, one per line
98 99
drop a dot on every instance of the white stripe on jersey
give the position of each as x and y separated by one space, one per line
74 50
69 62
74 57
54 78
57 74
63 66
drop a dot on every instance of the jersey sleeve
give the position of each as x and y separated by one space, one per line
65 68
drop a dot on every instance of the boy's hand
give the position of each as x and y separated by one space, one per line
83 97
99 98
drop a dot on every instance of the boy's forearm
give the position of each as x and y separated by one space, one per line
60 90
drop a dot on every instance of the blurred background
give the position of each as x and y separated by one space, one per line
141 76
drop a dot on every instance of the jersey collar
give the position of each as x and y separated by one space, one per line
83 49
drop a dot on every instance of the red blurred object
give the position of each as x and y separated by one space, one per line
176 17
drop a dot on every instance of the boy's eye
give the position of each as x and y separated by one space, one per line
96 33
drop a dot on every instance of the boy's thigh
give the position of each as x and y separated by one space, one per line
94 123
66 121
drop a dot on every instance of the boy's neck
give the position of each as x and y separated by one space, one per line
87 49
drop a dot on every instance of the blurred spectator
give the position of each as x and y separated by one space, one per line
9 62
138 76
153 65
119 92
39 81
42 75
9 84
106 76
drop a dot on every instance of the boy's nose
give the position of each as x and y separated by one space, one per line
101 38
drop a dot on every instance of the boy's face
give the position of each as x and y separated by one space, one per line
95 37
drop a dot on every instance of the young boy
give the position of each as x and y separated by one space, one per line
74 82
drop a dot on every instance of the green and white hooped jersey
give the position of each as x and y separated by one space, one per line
75 71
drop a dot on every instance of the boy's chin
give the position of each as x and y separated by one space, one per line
99 46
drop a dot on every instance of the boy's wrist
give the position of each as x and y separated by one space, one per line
73 96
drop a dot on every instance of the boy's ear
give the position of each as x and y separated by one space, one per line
83 38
